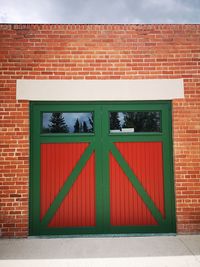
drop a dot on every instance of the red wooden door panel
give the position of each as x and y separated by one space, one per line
57 163
145 160
127 208
78 207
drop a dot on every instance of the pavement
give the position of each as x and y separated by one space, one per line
154 251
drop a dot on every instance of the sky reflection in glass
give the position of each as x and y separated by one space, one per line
67 122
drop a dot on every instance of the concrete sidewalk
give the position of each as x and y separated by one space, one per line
162 251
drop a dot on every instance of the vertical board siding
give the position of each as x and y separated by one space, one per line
146 161
78 207
57 162
127 207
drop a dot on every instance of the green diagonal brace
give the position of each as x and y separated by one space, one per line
67 185
135 182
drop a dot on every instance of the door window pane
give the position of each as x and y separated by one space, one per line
67 122
135 121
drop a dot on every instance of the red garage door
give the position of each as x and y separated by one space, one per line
101 168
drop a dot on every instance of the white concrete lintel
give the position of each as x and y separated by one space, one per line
97 90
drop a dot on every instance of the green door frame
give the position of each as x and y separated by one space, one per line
103 143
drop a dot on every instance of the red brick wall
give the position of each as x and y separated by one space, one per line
97 52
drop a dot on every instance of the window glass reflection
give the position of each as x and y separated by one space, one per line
67 122
137 121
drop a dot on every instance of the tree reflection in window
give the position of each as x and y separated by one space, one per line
136 121
57 123
67 122
115 121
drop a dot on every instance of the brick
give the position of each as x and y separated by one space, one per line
97 52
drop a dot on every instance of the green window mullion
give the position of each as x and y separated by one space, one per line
98 170
106 172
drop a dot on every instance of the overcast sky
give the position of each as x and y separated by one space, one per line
99 11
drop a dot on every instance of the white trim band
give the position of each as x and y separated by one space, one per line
88 90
